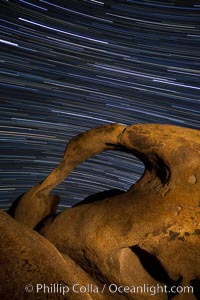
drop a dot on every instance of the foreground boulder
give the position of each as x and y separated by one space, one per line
148 237
32 268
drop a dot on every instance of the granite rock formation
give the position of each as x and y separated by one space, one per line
149 235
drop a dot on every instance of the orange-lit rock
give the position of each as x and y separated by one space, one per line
148 235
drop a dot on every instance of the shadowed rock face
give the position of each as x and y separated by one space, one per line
149 235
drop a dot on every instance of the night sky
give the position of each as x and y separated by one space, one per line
68 66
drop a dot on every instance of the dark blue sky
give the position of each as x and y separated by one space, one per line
67 66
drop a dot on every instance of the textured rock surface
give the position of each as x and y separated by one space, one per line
28 259
148 235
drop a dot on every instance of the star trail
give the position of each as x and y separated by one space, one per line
68 66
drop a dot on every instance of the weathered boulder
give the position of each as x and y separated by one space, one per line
149 235
32 268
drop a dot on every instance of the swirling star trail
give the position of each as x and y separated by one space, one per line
68 66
